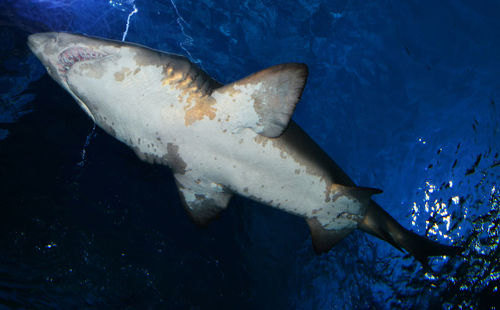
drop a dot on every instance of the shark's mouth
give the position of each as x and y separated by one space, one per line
67 59
75 54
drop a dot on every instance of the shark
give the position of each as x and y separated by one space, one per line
221 140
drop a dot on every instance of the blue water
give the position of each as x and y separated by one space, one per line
403 95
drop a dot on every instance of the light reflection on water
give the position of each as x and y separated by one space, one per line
435 208
472 221
438 212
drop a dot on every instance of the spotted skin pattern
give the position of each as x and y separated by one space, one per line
219 140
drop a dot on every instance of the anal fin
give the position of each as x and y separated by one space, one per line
202 200
323 239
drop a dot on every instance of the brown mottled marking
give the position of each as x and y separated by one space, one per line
233 92
315 211
350 216
261 140
198 111
93 70
174 160
184 83
200 196
176 77
168 71
107 128
297 171
120 75
148 157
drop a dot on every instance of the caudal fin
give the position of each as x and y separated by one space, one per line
380 224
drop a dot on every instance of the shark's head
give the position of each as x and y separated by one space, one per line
69 57
123 87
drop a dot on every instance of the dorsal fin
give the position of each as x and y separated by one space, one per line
263 101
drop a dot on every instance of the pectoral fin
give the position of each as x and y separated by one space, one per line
204 200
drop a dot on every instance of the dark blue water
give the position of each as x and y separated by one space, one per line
403 95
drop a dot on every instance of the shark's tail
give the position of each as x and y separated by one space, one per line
380 224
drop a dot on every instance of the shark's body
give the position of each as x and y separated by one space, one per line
219 140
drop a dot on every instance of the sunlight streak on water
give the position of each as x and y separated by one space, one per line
189 40
92 134
123 5
89 138
135 10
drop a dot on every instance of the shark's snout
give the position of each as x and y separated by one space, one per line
59 51
37 41
44 46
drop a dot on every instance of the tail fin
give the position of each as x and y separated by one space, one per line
380 224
